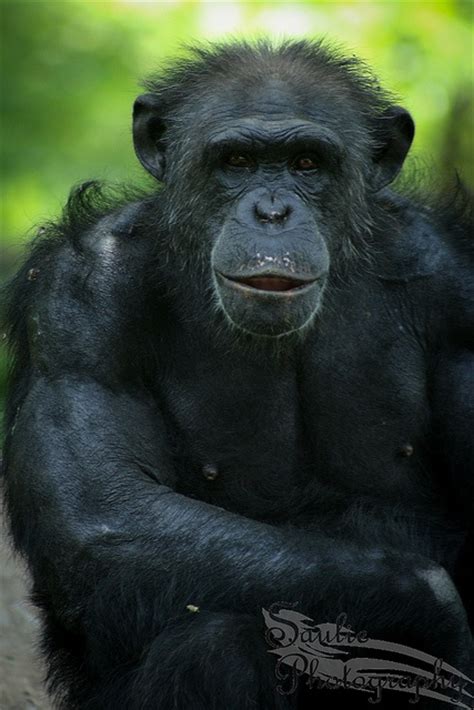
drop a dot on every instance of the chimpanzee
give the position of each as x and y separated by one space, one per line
252 386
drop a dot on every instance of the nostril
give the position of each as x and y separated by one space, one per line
278 216
285 213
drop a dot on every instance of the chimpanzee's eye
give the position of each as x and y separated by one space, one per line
304 162
239 161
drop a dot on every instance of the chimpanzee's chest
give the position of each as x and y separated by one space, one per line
251 435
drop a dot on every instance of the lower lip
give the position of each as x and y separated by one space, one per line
247 289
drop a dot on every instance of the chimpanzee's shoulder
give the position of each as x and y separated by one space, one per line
100 235
81 291
430 248
97 220
421 239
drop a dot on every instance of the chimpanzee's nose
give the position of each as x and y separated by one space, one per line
272 210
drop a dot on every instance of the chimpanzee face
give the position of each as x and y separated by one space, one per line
270 260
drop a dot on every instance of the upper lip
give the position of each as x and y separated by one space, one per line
270 280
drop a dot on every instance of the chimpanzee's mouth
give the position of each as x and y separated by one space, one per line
272 283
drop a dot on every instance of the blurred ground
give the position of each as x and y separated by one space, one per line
20 668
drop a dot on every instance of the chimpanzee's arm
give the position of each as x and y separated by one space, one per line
454 415
104 537
454 407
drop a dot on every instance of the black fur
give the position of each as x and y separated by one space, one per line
174 441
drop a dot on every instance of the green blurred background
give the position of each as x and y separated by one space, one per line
70 71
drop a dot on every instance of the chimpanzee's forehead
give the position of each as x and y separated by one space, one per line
272 99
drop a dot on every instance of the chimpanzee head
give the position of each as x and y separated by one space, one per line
271 158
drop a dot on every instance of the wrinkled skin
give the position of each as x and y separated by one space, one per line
252 386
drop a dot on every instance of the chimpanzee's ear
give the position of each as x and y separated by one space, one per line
394 136
148 130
